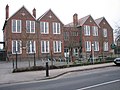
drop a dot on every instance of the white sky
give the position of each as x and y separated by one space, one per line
65 9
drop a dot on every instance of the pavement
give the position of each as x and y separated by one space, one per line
7 77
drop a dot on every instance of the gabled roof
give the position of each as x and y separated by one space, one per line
80 21
23 7
98 21
46 13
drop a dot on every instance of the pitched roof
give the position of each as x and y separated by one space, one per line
46 13
80 21
20 9
99 20
43 14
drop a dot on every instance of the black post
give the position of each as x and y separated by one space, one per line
34 60
16 60
47 70
13 63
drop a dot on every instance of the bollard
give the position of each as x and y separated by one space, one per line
47 70
16 60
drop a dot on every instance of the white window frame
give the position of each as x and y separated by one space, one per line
104 32
29 46
88 45
56 28
16 26
105 46
96 46
30 27
17 42
95 30
57 46
44 27
45 48
74 51
86 30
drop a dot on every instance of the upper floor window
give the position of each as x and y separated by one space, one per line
96 46
16 46
66 35
86 30
57 46
44 27
88 45
56 28
74 33
105 46
45 46
31 46
105 32
95 30
16 26
30 26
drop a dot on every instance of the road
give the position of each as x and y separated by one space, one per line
98 79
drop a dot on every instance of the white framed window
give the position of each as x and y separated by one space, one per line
75 51
96 46
30 26
56 28
45 47
57 46
95 30
86 30
105 46
16 26
44 27
105 32
66 52
31 46
88 45
16 47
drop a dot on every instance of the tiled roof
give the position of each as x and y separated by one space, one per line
99 20
80 21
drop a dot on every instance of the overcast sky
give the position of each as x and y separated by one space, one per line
64 9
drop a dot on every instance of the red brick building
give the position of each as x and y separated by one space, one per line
95 36
26 35
48 37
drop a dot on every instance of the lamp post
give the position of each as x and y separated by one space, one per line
93 53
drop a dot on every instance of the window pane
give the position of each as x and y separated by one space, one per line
13 25
32 26
18 25
28 26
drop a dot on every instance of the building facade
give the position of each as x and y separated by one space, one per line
48 37
26 35
95 36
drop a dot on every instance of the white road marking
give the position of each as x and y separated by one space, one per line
101 84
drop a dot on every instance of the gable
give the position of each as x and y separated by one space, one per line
104 23
49 16
22 13
90 21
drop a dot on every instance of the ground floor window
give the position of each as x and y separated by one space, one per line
16 47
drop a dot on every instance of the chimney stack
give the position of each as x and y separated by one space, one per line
7 11
34 12
75 19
